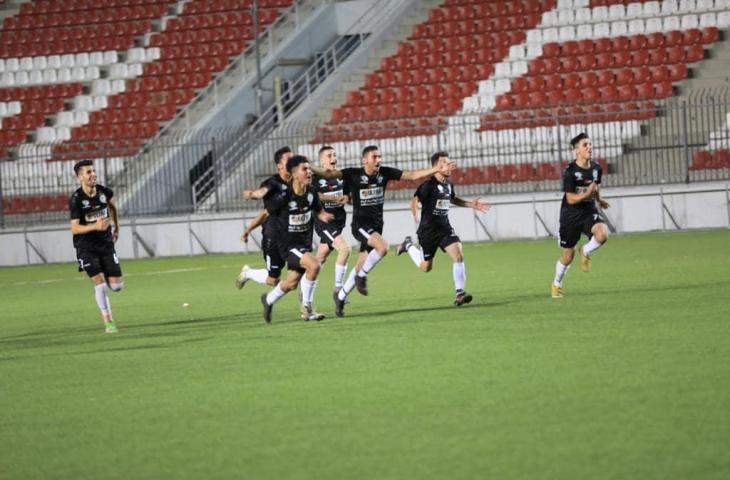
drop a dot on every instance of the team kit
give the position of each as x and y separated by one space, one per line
302 199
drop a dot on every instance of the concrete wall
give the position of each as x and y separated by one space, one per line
634 209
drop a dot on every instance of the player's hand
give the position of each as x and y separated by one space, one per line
447 167
477 204
603 204
326 217
244 236
592 188
341 200
247 194
101 224
115 235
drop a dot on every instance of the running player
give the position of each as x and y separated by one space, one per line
271 230
333 198
91 208
578 212
367 185
294 208
434 231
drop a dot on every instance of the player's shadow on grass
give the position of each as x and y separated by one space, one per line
394 311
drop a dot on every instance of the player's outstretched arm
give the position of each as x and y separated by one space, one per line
476 204
574 198
253 224
425 172
257 194
325 216
339 200
328 174
115 219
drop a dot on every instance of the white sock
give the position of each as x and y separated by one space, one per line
416 255
339 274
348 286
372 259
560 271
274 295
459 272
591 246
102 300
308 287
258 275
116 287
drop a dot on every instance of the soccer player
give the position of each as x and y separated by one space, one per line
333 197
366 185
434 231
294 209
91 208
273 185
578 212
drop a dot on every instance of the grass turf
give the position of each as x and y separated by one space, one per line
628 376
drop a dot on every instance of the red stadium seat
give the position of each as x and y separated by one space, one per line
677 72
692 36
710 35
695 53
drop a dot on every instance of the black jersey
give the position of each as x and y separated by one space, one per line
577 180
435 198
275 185
88 210
295 214
331 188
368 193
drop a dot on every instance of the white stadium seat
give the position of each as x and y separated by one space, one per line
100 87
81 59
40 62
636 27
21 78
565 4
566 17
550 35
708 19
50 75
534 36
2 65
78 74
80 118
135 70
14 108
470 105
3 109
671 23
519 68
651 9
517 51
64 75
96 58
566 33
599 13
64 119
54 61
135 55
653 25
669 6
584 31
619 29
616 12
7 79
12 64
68 60
534 50
601 30
687 6
118 70
35 77
99 102
110 56
26 63
723 20
92 72
582 15
46 135
549 18
634 10
689 21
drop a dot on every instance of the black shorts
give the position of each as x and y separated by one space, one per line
272 256
328 232
94 262
430 241
293 257
363 232
571 229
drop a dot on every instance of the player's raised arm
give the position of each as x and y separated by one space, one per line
476 204
414 209
257 194
426 172
328 174
254 224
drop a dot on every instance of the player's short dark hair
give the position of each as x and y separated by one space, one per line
435 157
575 140
325 148
294 162
82 163
368 149
279 154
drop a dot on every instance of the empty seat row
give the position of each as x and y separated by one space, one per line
53 34
85 17
69 60
64 90
710 159
205 6
181 37
58 47
197 21
49 6
177 97
49 76
192 50
380 96
8 109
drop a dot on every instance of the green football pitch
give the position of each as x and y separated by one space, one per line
628 376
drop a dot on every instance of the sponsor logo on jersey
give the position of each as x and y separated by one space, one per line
310 197
595 175
579 175
442 206
363 179
102 198
92 217
322 182
292 205
371 196
299 222
85 203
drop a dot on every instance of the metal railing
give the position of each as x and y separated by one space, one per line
676 142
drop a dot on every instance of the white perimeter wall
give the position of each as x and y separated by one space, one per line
633 209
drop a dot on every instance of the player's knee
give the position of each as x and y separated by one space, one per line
382 249
315 268
116 287
271 281
343 248
426 267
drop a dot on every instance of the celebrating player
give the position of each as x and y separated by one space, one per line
333 198
434 230
293 209
578 212
271 229
91 207
366 185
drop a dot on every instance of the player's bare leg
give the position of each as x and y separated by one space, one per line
379 250
308 282
456 252
561 268
102 299
599 237
282 288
